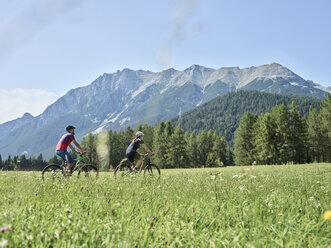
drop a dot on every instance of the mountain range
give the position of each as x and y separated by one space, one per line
129 97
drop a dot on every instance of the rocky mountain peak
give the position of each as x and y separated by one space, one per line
27 116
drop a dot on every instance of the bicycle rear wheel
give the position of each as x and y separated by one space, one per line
88 170
123 169
52 171
152 170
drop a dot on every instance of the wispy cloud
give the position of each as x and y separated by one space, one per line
16 102
17 30
181 28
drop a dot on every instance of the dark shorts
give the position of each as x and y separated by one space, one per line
132 156
65 155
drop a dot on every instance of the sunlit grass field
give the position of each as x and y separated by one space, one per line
260 206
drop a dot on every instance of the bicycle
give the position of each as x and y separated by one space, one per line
124 168
56 171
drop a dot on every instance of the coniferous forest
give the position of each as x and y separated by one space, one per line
297 131
284 136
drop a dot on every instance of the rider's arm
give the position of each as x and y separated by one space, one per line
72 148
147 149
76 144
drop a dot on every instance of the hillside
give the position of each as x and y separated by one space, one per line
224 113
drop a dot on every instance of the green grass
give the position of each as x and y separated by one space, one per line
261 206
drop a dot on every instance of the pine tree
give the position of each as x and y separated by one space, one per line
40 163
177 157
281 117
265 139
54 160
219 148
116 152
138 128
244 140
325 115
159 145
299 136
203 148
224 151
192 149
90 148
148 135
316 139
23 163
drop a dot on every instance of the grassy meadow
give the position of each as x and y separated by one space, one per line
260 206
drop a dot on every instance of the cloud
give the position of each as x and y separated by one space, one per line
19 29
16 102
181 28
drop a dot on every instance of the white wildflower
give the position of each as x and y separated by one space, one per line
3 243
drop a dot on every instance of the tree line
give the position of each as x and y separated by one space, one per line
284 136
223 113
22 163
172 147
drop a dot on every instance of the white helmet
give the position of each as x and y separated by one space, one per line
139 134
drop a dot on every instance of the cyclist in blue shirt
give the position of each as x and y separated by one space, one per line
131 151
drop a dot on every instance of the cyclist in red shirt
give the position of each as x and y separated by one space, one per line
62 145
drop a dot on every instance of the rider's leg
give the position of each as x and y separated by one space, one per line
69 166
133 164
69 162
139 162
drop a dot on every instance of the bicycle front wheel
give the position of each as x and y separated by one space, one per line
152 170
52 171
88 170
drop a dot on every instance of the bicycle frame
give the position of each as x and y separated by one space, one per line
78 161
146 158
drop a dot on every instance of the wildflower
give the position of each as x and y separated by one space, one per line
6 228
69 217
327 215
67 210
4 243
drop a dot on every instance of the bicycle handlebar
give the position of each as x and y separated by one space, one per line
145 154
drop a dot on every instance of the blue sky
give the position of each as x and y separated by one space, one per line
48 47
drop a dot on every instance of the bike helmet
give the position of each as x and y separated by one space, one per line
139 134
69 128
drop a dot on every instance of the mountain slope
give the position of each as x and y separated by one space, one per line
224 113
128 97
